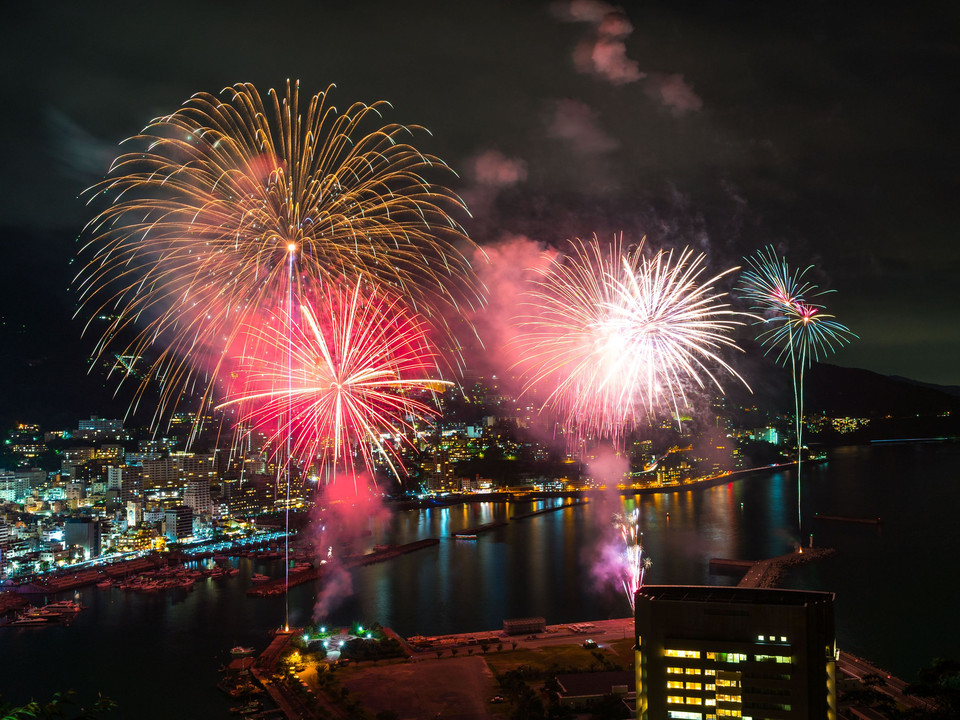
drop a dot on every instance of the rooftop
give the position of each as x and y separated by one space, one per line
733 595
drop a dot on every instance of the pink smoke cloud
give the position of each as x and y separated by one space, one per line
603 53
494 169
673 92
591 11
348 506
507 269
576 123
606 465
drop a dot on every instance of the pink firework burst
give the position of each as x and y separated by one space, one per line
615 334
338 383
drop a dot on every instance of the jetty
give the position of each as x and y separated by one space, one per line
277 585
524 516
768 573
472 532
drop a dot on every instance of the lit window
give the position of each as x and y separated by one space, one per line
675 670
683 653
675 699
783 638
694 701
692 671
710 701
760 638
711 656
681 715
772 638
710 672
674 685
693 686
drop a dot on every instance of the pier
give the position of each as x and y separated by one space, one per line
524 516
276 586
768 573
472 532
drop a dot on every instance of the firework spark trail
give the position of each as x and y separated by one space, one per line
194 243
355 356
633 562
799 330
617 334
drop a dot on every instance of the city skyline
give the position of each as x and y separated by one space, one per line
559 124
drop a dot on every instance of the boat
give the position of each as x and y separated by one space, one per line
30 620
247 708
258 578
241 651
61 607
104 584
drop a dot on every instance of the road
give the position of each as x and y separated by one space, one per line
858 668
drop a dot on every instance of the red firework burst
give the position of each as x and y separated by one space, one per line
336 384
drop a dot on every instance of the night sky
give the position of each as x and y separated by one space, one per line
827 129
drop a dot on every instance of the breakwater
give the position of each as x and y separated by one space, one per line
472 532
768 573
277 586
524 516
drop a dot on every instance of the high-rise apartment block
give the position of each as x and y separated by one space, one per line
706 653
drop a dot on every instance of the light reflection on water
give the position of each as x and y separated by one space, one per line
541 566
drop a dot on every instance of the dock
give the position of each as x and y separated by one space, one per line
524 516
768 573
277 585
472 532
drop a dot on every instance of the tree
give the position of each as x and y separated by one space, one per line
939 683
56 709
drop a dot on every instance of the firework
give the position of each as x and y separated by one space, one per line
617 334
215 198
336 385
800 331
632 560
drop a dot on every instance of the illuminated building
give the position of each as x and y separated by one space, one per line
197 496
706 653
178 523
82 532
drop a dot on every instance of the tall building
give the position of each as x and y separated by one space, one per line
127 480
178 523
160 474
83 532
197 496
705 653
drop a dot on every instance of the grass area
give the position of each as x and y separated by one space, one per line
623 649
558 658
